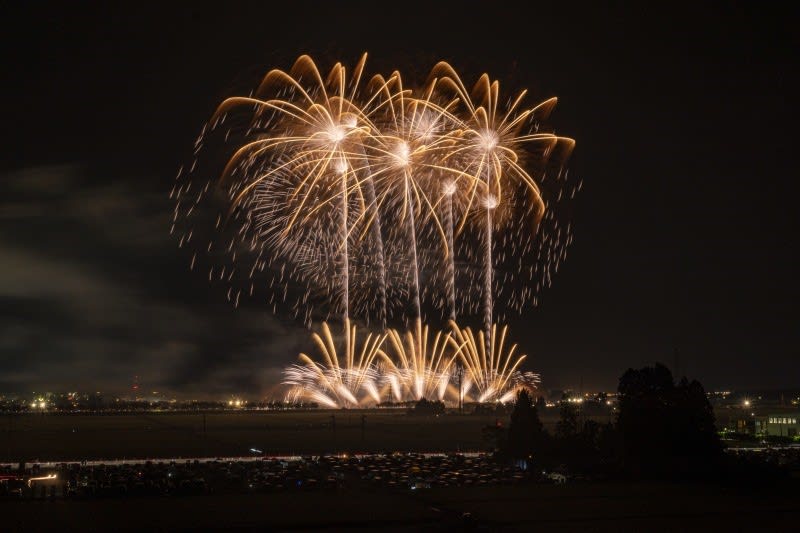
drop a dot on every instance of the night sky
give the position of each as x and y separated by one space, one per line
684 231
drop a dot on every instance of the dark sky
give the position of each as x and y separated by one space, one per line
684 234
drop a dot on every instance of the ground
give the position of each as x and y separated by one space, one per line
46 437
595 507
575 506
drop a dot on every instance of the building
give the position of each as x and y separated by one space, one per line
783 425
747 426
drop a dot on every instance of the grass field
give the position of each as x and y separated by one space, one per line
48 437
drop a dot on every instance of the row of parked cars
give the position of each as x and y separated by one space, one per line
332 472
784 457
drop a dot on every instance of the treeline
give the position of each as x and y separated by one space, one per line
663 430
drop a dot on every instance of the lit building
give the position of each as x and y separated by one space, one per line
783 425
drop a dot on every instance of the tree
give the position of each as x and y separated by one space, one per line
695 421
666 430
567 426
429 407
540 403
525 433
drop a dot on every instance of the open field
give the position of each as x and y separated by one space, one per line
48 437
52 436
596 507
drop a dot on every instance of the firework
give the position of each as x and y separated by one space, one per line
347 377
357 196
422 364
405 366
492 373
492 144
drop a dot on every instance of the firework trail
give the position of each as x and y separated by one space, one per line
377 237
488 302
407 154
451 256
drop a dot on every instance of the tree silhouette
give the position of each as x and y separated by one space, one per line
567 426
525 433
666 430
428 407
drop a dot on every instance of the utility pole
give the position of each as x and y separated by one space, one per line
10 435
205 436
363 426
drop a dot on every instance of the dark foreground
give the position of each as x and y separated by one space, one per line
571 507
